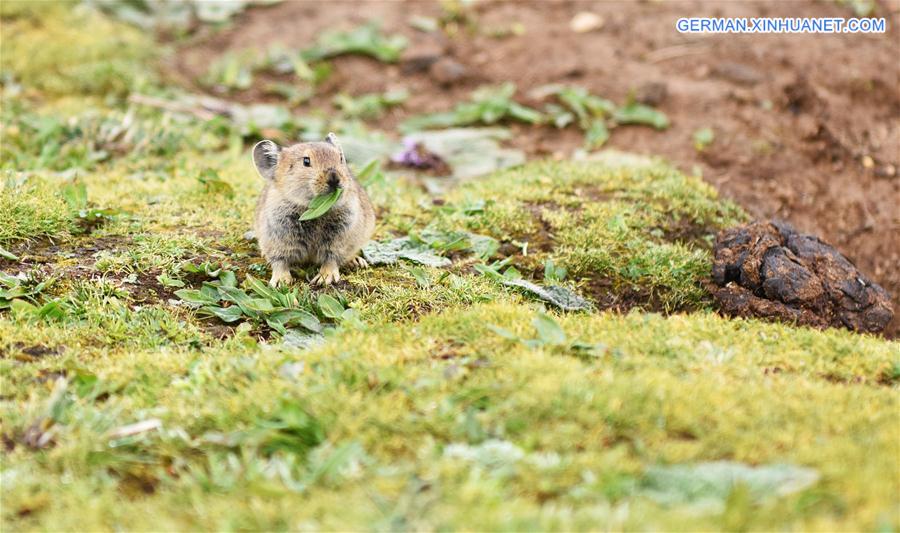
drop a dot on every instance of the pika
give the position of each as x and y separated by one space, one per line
293 176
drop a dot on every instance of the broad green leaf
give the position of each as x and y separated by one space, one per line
714 482
525 114
228 278
596 135
262 289
512 273
321 204
350 319
75 194
209 291
52 310
367 40
548 330
204 268
635 113
20 307
226 314
167 281
6 254
195 297
239 297
390 252
9 281
422 278
330 307
277 326
297 317
260 305
15 292
488 270
560 297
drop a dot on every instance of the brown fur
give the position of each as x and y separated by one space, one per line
330 241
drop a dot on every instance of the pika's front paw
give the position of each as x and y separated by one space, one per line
327 275
359 262
282 277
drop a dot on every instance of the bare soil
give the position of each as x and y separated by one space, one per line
807 127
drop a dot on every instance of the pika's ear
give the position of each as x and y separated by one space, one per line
333 140
266 155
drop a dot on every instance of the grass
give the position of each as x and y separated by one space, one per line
53 53
444 400
32 210
392 399
645 227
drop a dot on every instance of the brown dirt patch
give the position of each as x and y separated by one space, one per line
607 296
806 126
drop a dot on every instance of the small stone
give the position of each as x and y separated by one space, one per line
653 93
886 171
738 73
448 71
867 161
585 22
421 56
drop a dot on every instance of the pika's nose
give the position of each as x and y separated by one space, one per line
333 179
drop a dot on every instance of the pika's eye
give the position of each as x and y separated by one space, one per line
306 162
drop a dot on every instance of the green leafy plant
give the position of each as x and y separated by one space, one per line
371 105
552 272
232 71
703 138
635 113
366 40
213 184
556 295
235 71
549 334
371 173
75 195
6 254
420 275
38 141
489 105
292 93
595 116
280 310
586 106
22 297
332 308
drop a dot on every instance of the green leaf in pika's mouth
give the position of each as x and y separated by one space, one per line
321 204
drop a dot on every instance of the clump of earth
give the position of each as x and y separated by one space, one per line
769 270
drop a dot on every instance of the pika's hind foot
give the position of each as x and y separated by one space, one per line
359 262
328 274
281 275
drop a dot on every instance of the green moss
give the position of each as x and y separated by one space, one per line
637 225
390 400
33 210
61 49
